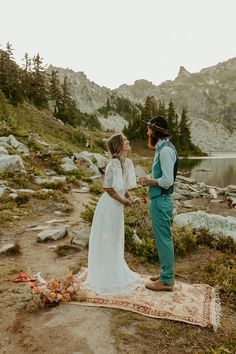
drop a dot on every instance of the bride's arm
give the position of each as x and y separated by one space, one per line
113 194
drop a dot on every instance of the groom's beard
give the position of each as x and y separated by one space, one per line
151 144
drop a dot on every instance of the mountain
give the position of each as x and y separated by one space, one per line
88 95
209 96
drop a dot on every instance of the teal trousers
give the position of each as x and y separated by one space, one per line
161 211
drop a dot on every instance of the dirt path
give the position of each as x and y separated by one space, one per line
65 329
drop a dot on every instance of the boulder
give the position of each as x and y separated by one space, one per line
213 223
11 163
52 234
7 247
3 151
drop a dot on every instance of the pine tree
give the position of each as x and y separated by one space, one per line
184 133
150 109
39 84
161 109
172 122
26 76
55 93
68 111
10 82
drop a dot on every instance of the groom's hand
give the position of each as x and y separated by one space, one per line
143 181
146 181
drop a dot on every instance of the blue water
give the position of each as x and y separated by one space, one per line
216 170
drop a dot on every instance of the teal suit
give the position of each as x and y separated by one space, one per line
161 211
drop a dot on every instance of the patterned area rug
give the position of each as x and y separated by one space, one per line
197 304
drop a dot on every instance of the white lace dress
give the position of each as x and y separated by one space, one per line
108 272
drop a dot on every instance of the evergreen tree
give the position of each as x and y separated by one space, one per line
161 109
39 84
26 76
173 125
150 109
184 133
68 111
10 82
55 93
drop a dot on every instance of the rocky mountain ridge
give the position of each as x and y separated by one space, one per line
209 96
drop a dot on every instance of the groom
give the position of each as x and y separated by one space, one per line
164 171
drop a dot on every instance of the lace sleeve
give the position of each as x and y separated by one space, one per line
113 175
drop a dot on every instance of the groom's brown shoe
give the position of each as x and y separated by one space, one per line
155 277
159 286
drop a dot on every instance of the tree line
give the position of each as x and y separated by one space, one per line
179 127
31 83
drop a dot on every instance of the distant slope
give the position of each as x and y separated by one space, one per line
27 122
209 96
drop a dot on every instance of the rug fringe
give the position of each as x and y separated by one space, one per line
217 323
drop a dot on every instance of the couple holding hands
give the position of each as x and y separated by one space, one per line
108 272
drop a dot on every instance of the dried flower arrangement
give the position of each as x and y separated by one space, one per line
56 290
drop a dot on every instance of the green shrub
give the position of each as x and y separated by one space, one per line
219 242
22 198
185 241
87 214
96 188
220 273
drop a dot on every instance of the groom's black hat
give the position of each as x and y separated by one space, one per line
159 123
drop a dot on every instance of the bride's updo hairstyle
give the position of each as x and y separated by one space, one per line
115 146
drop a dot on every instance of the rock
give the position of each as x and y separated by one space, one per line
3 151
213 193
178 196
39 180
113 122
187 204
55 221
213 223
13 195
11 163
86 93
7 247
232 201
69 160
52 234
89 165
3 190
43 143
17 145
80 190
97 159
25 190
189 180
67 167
82 237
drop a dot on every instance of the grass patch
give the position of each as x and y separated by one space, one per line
137 334
96 188
219 272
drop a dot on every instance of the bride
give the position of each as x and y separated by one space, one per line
108 272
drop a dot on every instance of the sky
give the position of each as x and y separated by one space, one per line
116 42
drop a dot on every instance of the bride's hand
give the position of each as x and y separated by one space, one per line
127 202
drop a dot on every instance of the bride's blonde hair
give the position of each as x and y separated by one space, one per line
115 146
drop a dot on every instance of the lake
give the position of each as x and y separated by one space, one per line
217 169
